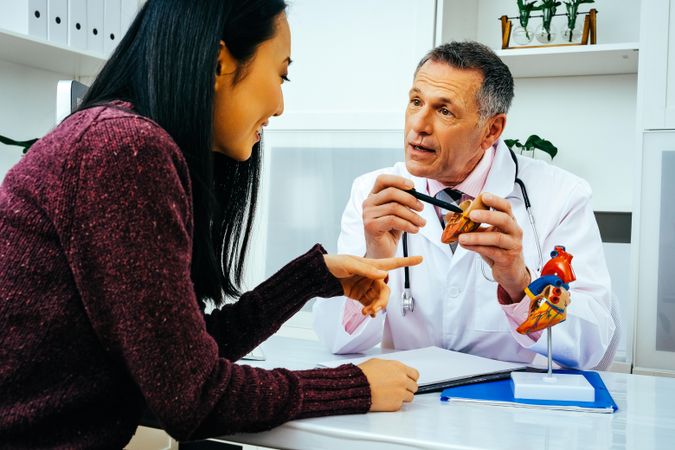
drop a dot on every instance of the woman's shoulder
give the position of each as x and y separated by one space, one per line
116 133
117 123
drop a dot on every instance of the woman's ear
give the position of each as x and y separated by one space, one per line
226 66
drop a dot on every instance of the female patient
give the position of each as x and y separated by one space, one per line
121 224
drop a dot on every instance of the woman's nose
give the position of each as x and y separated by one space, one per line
280 108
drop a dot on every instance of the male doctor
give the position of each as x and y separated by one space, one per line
470 298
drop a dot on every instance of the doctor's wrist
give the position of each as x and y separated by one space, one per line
377 252
507 295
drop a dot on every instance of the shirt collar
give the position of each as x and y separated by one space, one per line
474 183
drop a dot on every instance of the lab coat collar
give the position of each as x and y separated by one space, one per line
501 179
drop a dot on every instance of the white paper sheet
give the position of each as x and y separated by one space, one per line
437 365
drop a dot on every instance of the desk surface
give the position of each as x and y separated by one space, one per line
645 419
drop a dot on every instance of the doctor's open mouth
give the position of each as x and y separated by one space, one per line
420 148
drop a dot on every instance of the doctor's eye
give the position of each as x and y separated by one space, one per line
416 102
445 111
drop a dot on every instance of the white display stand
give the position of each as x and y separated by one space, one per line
550 386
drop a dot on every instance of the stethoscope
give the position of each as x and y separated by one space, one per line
407 300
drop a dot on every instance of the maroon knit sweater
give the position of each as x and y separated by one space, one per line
98 316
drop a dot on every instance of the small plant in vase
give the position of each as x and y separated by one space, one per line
545 34
571 34
523 34
533 143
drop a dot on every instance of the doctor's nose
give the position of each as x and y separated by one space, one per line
419 122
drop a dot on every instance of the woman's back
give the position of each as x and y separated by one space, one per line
67 375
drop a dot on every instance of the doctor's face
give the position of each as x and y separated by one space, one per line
444 136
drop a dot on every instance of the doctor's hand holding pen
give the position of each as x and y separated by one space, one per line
388 211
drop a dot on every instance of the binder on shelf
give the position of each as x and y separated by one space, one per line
500 393
14 16
77 24
95 26
57 21
37 18
129 9
111 25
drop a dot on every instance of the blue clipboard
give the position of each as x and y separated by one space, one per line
501 393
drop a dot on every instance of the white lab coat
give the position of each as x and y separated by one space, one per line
456 307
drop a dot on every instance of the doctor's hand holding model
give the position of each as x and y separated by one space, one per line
470 297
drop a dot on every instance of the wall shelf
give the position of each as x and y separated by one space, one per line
40 54
579 60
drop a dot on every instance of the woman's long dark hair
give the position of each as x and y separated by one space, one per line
165 66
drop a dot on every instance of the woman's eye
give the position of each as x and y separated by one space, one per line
285 79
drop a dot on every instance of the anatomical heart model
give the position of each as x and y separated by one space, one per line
456 223
549 294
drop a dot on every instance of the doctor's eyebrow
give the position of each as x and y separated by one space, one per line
437 101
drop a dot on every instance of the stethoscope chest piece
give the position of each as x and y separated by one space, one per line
407 302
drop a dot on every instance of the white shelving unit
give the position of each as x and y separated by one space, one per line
653 223
581 60
40 54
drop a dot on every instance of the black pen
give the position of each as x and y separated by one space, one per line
434 201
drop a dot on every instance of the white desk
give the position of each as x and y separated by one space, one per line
645 420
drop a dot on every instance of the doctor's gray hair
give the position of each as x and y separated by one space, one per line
496 92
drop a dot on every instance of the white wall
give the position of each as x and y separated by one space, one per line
592 122
28 99
353 62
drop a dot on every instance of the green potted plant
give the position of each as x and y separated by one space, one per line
545 33
532 143
523 34
571 34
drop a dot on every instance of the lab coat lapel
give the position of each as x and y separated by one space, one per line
500 180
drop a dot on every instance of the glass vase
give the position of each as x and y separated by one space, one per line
545 36
522 36
570 36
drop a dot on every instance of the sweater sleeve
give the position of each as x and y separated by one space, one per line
129 245
240 326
